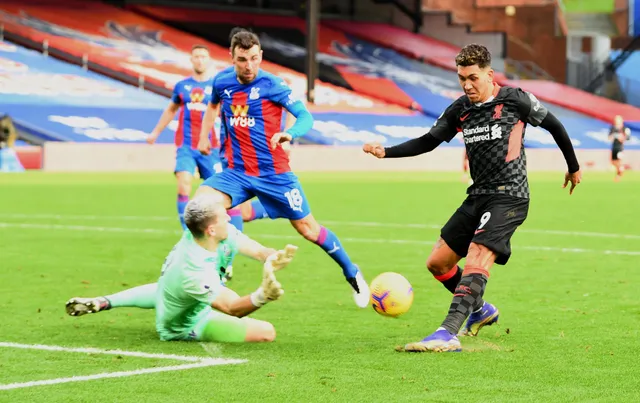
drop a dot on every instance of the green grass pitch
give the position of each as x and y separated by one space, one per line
568 330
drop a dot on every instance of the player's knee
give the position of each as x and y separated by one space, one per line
202 190
184 184
438 266
261 332
269 332
246 209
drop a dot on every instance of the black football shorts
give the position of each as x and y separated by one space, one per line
488 220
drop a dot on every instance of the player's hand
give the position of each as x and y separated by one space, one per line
279 138
574 178
270 288
152 138
374 149
281 258
286 146
204 145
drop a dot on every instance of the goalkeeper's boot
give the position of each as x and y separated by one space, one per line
361 292
438 342
485 316
81 306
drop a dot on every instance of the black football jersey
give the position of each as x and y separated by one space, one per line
493 134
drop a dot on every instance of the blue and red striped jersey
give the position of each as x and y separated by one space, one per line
251 114
193 97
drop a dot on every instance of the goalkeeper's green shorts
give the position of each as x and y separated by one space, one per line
219 327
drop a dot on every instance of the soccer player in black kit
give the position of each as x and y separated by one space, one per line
492 120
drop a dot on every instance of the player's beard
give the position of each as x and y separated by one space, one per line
199 71
242 77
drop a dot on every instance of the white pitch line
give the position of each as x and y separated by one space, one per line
121 374
195 362
91 350
589 234
297 237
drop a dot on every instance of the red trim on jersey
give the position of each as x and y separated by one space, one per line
272 114
179 138
243 134
228 151
515 142
196 125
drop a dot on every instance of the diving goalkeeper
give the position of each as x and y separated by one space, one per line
190 300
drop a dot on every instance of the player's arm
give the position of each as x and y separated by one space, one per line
303 118
537 114
167 116
208 121
253 249
229 302
204 286
444 129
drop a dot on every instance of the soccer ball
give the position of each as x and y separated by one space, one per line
391 294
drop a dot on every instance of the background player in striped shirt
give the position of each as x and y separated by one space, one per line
190 97
252 102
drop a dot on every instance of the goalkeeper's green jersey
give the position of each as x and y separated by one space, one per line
189 283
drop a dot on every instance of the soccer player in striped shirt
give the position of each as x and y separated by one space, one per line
190 97
251 101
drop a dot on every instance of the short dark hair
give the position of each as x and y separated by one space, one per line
474 54
244 40
235 30
199 46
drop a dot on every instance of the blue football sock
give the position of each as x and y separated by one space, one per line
257 211
182 204
330 243
236 218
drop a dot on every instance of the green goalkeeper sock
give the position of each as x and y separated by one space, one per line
143 297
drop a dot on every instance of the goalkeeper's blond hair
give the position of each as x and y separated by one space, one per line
202 211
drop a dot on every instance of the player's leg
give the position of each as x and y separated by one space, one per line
230 186
454 241
209 165
253 210
222 328
184 170
616 156
500 216
143 296
282 197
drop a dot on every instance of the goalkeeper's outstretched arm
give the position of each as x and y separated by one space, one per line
270 289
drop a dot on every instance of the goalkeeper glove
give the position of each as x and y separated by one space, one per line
271 289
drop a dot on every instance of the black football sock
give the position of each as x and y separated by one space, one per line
450 281
466 297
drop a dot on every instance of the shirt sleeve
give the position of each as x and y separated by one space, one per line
446 126
176 98
215 97
202 285
280 93
531 110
